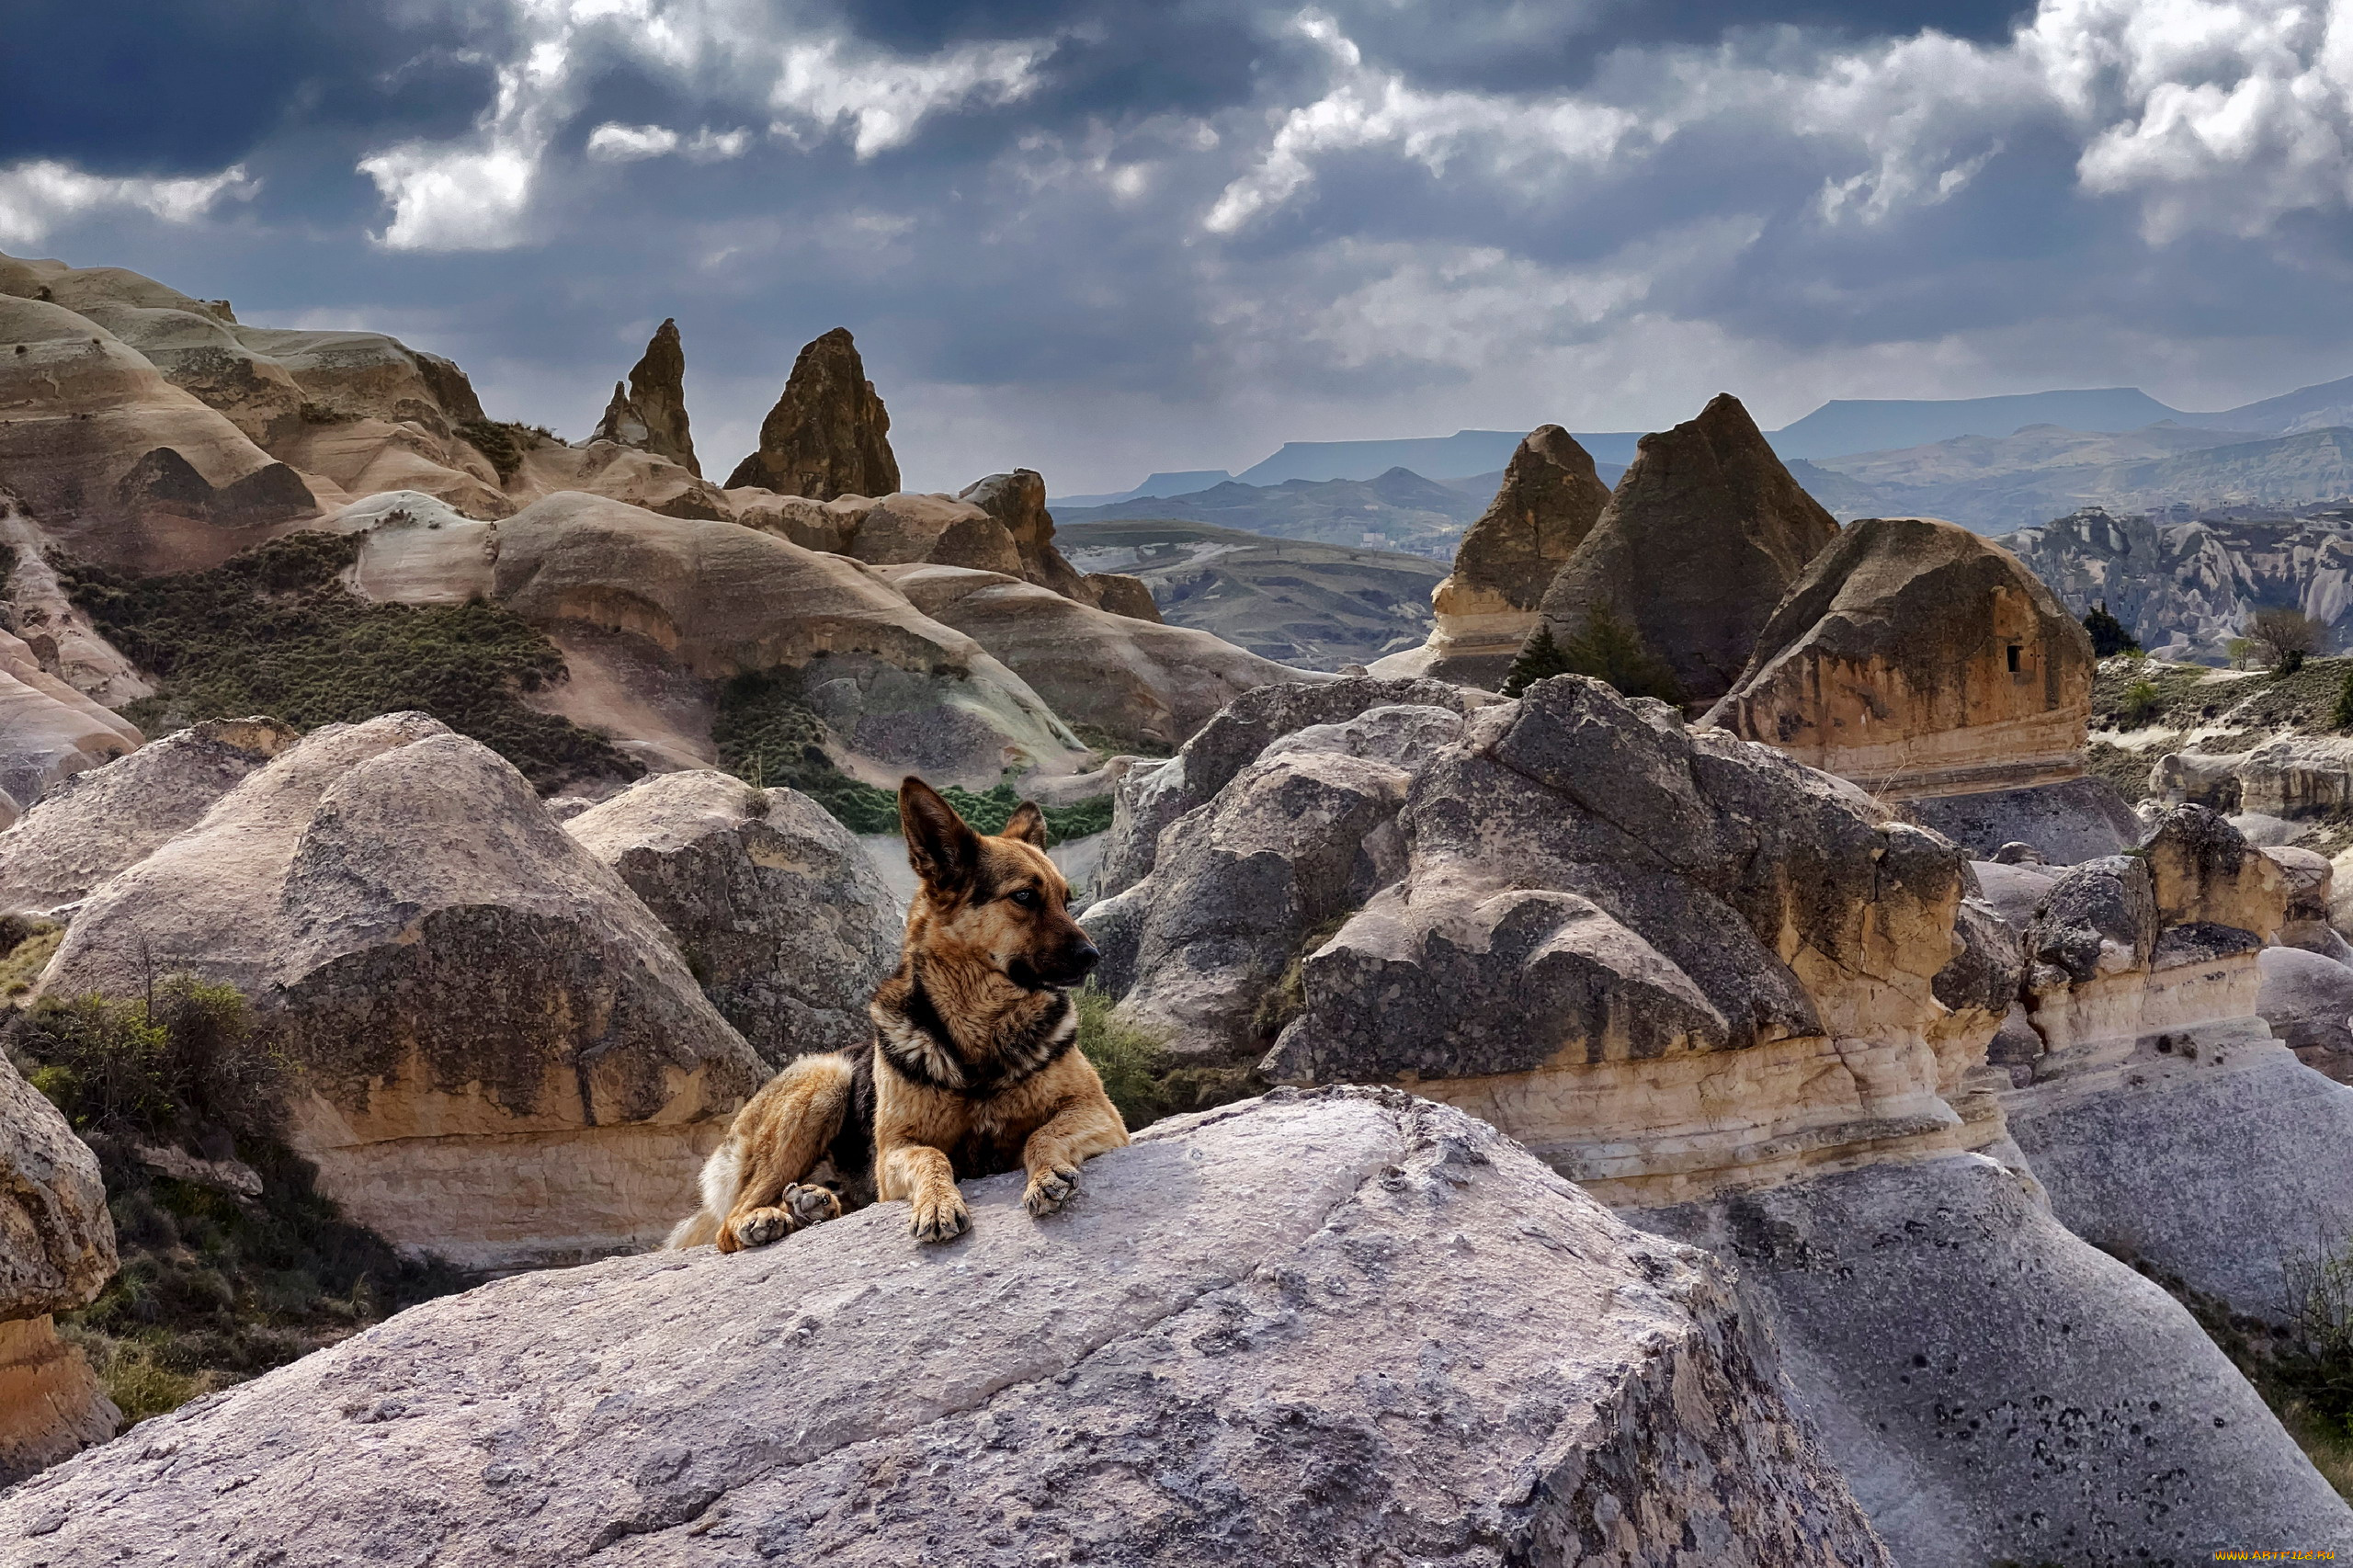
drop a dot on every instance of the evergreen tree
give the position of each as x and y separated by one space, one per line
2343 717
1609 650
2109 636
1539 657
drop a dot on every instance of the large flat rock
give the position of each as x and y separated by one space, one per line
1344 1327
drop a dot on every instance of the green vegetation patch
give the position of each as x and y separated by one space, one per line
273 630
1605 648
504 442
768 736
1136 1071
215 1286
2129 694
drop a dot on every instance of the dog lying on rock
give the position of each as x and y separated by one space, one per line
972 1068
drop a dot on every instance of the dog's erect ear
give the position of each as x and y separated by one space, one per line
1027 823
944 852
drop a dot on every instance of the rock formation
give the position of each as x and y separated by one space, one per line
1432 1350
504 1060
49 731
1149 798
1737 999
2145 984
651 412
1917 658
828 433
1550 500
56 1253
57 634
1139 681
1123 594
1018 500
2308 1001
2294 777
1705 533
776 907
101 822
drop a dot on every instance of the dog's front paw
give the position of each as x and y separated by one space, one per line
758 1227
810 1205
1051 1189
939 1217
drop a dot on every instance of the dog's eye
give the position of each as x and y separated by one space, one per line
1023 897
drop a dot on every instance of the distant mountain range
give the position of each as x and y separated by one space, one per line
1992 462
1398 510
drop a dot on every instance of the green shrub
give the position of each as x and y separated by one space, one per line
1130 1061
213 1288
273 630
2143 701
161 1068
2108 633
1539 659
26 948
504 442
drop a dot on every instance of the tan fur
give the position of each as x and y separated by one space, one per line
989 939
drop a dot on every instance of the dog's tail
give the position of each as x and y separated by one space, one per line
775 1141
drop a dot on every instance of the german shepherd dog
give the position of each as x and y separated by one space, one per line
971 1070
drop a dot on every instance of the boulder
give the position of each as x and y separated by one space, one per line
828 433
2065 822
101 822
1734 997
901 528
1995 1390
2311 889
624 473
1550 499
504 1059
2014 890
56 1253
1139 681
1705 534
2308 1001
1432 1350
2145 981
776 907
652 412
1920 659
49 731
1017 501
1123 594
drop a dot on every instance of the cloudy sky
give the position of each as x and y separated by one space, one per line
1102 236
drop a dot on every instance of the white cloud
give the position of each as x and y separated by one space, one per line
43 195
616 144
1365 108
477 192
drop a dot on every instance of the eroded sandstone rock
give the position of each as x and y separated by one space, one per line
1017 501
100 822
1919 659
504 1060
828 433
56 1253
1141 682
1432 1348
49 731
777 908
1548 502
652 412
1703 535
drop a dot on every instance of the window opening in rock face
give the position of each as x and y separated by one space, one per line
2015 651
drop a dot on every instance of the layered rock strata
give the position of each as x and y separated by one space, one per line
1703 535
1550 499
1919 659
56 1253
1141 682
1737 998
503 1058
49 731
828 433
776 907
1432 1349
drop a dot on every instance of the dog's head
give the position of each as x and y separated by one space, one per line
994 899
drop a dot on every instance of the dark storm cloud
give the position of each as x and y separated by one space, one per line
1103 236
